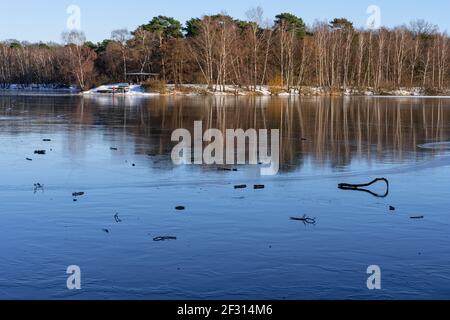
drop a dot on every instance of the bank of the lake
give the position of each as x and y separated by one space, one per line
126 89
231 90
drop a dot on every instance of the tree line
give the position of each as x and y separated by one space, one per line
219 50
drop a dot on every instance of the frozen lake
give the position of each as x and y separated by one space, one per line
230 244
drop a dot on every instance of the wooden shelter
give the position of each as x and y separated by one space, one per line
140 77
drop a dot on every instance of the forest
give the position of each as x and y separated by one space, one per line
219 50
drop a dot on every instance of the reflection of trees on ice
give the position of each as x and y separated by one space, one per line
327 133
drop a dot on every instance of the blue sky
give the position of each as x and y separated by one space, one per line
46 19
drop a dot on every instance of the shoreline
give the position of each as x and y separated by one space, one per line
157 95
198 90
232 90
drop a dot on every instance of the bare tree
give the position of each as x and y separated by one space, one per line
81 58
122 36
255 16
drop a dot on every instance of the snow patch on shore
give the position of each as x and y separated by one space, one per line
119 89
233 90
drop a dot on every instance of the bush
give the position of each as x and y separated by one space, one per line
336 91
155 85
276 85
187 89
431 91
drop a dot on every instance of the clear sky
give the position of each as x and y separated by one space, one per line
46 19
